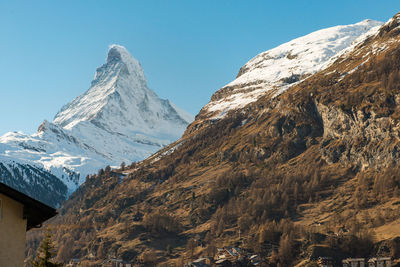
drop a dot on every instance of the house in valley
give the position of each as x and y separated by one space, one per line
200 262
18 214
229 253
380 262
354 262
325 262
115 262
73 263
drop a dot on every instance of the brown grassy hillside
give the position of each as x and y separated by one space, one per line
312 172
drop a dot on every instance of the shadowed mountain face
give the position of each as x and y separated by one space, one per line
310 171
119 119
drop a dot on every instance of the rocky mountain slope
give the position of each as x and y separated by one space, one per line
275 70
304 172
119 119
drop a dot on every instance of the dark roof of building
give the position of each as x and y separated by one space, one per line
35 211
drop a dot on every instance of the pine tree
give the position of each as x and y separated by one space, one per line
45 253
285 251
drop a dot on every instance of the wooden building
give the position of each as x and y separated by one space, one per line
115 262
229 253
18 214
325 262
380 262
200 262
354 262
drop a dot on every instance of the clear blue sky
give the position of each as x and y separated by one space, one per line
49 50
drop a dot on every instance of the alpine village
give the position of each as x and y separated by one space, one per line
294 163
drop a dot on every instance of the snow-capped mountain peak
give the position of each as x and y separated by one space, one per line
121 74
119 54
118 119
120 101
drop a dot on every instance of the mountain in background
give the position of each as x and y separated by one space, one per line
119 119
308 167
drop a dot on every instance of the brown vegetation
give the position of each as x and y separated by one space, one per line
311 172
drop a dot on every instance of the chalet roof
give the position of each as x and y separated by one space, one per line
375 259
348 260
200 259
35 211
221 261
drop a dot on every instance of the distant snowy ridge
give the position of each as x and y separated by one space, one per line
118 119
281 67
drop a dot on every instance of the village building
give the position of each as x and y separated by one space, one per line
200 262
380 262
231 256
18 214
229 253
354 262
325 262
255 260
73 263
115 262
223 263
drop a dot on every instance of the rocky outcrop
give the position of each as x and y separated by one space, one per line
358 138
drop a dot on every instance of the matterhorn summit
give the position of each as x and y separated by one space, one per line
118 119
120 104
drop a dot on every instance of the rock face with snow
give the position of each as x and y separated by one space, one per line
275 70
119 115
119 119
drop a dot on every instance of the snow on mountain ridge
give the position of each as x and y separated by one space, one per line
291 62
304 54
